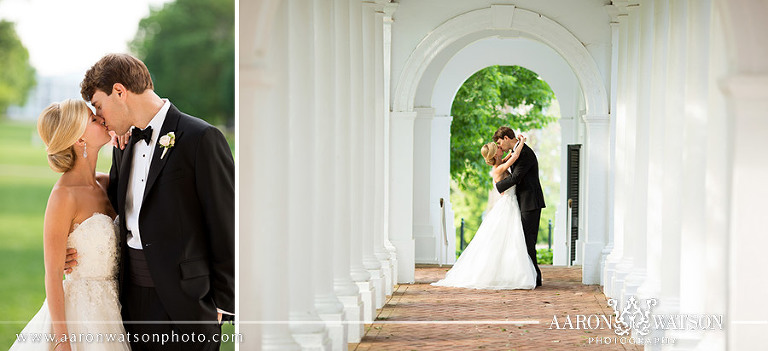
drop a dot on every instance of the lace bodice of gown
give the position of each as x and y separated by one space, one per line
91 301
97 251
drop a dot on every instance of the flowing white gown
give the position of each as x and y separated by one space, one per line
91 301
496 258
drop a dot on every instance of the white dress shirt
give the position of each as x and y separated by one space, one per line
137 179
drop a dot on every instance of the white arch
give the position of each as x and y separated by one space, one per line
523 52
492 20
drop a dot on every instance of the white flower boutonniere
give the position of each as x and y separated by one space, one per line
166 142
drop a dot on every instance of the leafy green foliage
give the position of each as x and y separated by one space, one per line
544 256
17 76
493 97
189 48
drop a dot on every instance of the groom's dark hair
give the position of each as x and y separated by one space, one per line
116 68
503 132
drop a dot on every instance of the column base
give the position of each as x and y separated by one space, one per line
622 270
309 332
337 330
331 310
631 284
590 269
368 296
392 260
278 343
406 261
604 262
650 288
386 272
353 315
378 285
313 341
609 273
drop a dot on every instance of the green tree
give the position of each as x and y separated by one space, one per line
492 97
189 48
17 76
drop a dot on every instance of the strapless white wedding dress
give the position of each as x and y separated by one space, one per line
91 301
496 258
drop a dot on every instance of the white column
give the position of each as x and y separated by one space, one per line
440 188
381 252
568 135
717 188
612 273
694 190
671 178
638 219
345 288
747 96
651 287
423 228
401 193
330 309
307 327
359 272
370 261
389 10
604 262
627 264
262 95
598 142
746 93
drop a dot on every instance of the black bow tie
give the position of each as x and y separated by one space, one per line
139 134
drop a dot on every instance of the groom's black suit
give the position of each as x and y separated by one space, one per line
187 229
525 174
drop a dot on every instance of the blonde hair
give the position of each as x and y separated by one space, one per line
60 125
489 153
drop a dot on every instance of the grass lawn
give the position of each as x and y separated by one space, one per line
25 182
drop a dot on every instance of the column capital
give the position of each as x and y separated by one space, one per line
596 119
403 115
617 8
425 112
389 9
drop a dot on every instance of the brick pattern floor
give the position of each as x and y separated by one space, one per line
562 294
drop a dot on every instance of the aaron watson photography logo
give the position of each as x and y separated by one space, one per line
637 316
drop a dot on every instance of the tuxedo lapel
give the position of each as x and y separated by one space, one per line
169 125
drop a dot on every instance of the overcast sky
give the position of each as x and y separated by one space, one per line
67 37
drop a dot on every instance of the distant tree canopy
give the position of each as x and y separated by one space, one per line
189 48
17 76
492 97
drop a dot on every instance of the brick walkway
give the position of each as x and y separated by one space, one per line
562 294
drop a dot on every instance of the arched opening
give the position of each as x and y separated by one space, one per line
424 92
519 98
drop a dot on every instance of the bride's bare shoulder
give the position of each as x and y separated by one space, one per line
62 200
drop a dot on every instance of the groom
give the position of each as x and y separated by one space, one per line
173 187
525 174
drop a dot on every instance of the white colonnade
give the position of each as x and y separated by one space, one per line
670 198
315 254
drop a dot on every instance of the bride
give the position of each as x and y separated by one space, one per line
496 258
81 312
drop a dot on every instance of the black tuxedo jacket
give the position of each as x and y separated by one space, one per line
187 218
525 174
